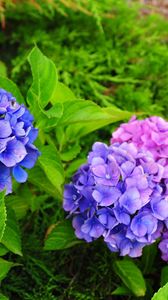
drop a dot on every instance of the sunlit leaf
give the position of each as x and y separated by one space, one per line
11 87
52 166
44 78
162 293
131 276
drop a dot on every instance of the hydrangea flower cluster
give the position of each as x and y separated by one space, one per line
17 135
119 195
150 134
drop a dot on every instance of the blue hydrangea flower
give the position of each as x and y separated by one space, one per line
17 135
119 195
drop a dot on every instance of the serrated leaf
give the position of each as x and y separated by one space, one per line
52 166
11 87
131 276
61 237
5 266
11 237
162 293
3 216
44 78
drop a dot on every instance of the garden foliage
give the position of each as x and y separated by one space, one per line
115 59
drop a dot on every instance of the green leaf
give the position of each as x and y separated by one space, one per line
3 216
25 199
55 111
121 290
162 293
19 204
164 275
49 118
80 111
5 266
131 276
148 258
42 90
52 166
82 117
63 93
3 69
3 250
11 237
3 297
44 78
61 237
39 179
11 87
71 153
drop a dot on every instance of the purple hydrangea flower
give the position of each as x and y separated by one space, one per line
17 135
151 134
163 246
119 195
117 241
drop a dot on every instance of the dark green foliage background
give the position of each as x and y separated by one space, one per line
117 60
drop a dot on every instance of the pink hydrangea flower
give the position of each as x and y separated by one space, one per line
150 134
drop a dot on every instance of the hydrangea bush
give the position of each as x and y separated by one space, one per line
121 193
60 118
17 135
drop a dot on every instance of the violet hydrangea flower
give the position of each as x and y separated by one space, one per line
151 134
118 195
163 246
17 135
